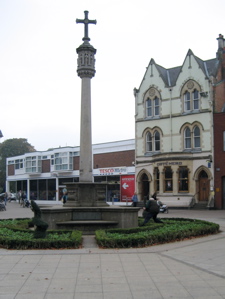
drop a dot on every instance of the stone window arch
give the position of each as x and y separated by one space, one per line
190 95
152 102
192 136
152 139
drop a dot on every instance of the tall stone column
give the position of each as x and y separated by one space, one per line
86 71
86 193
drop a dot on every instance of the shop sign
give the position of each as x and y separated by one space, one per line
127 185
168 163
111 171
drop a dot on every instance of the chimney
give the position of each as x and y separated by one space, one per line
221 46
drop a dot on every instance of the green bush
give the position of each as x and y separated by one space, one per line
155 233
14 234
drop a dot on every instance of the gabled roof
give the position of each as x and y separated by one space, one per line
169 76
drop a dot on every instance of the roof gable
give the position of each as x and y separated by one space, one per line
170 76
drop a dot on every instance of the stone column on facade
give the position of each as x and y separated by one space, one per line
175 179
161 180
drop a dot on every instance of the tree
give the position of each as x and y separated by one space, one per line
10 148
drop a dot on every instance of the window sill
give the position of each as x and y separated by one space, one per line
149 154
152 117
192 150
191 112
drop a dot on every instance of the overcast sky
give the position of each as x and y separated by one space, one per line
40 91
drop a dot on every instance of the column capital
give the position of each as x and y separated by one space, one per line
86 61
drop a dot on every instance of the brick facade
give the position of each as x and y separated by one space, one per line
114 159
219 159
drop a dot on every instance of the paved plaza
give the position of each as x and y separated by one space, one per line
188 269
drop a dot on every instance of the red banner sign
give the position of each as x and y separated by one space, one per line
127 187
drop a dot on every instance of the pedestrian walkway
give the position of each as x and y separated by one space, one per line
188 269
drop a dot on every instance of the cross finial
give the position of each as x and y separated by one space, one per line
86 21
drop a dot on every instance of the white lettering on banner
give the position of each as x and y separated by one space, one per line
111 171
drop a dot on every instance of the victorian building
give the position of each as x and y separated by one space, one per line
174 131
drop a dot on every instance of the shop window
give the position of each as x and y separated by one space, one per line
168 179
33 189
183 179
157 178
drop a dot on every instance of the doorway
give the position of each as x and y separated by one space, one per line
144 187
203 186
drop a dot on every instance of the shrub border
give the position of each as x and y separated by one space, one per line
155 233
74 242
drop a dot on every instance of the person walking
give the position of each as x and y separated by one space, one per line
135 199
64 198
152 210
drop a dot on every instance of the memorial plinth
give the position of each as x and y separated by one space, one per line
86 194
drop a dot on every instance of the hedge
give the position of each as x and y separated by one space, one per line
15 235
169 231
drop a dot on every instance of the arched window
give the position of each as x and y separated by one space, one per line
156 106
187 138
187 101
152 141
192 137
197 137
148 107
157 141
195 97
191 96
152 102
149 142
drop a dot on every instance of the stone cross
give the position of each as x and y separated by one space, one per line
86 21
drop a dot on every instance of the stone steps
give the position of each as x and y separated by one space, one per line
200 205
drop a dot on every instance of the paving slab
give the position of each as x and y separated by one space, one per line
189 269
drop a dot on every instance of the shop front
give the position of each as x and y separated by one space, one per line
121 183
177 183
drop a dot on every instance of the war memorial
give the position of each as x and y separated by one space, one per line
86 208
